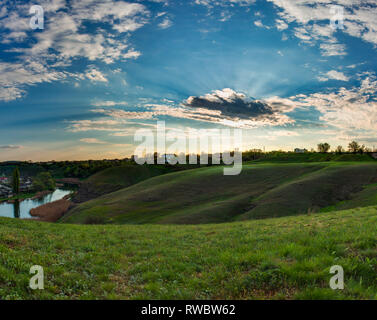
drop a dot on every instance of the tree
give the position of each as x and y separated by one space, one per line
16 181
323 147
354 147
362 149
339 150
44 181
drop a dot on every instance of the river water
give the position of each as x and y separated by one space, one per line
22 209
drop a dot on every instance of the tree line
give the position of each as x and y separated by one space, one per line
353 147
41 182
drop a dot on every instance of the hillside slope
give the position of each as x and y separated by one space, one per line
285 258
207 196
115 178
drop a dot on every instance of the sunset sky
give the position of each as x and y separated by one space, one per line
100 70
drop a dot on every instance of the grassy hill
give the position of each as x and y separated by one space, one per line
115 178
127 175
286 258
277 156
205 195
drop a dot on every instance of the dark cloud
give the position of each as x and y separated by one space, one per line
225 107
231 104
10 147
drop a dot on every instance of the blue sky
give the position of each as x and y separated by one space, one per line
100 70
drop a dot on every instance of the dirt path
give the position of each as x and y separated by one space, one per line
53 211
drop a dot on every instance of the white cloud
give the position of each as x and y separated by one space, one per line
302 34
10 93
285 133
273 135
14 76
314 16
94 125
165 24
95 75
92 141
114 125
333 75
109 103
65 38
333 49
225 15
3 12
281 25
62 32
160 14
345 109
212 3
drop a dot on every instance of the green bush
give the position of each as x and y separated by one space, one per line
44 181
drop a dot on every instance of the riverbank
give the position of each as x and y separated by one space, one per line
53 211
41 194
21 208
24 196
20 197
88 190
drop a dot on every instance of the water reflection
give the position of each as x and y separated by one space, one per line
21 209
16 208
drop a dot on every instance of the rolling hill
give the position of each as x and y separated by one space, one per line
115 178
281 258
205 195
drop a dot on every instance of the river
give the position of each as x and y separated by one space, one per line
22 209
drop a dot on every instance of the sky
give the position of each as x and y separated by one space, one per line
289 73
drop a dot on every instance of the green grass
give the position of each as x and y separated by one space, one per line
115 178
366 197
126 175
205 195
281 258
130 174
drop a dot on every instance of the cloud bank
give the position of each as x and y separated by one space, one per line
92 30
10 147
236 107
347 113
312 21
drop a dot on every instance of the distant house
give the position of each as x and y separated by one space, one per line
5 191
3 180
298 150
374 155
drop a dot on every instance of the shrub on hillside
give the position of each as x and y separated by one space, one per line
44 181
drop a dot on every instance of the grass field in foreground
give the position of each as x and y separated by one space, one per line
286 258
205 195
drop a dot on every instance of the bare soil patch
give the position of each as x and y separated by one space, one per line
53 211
